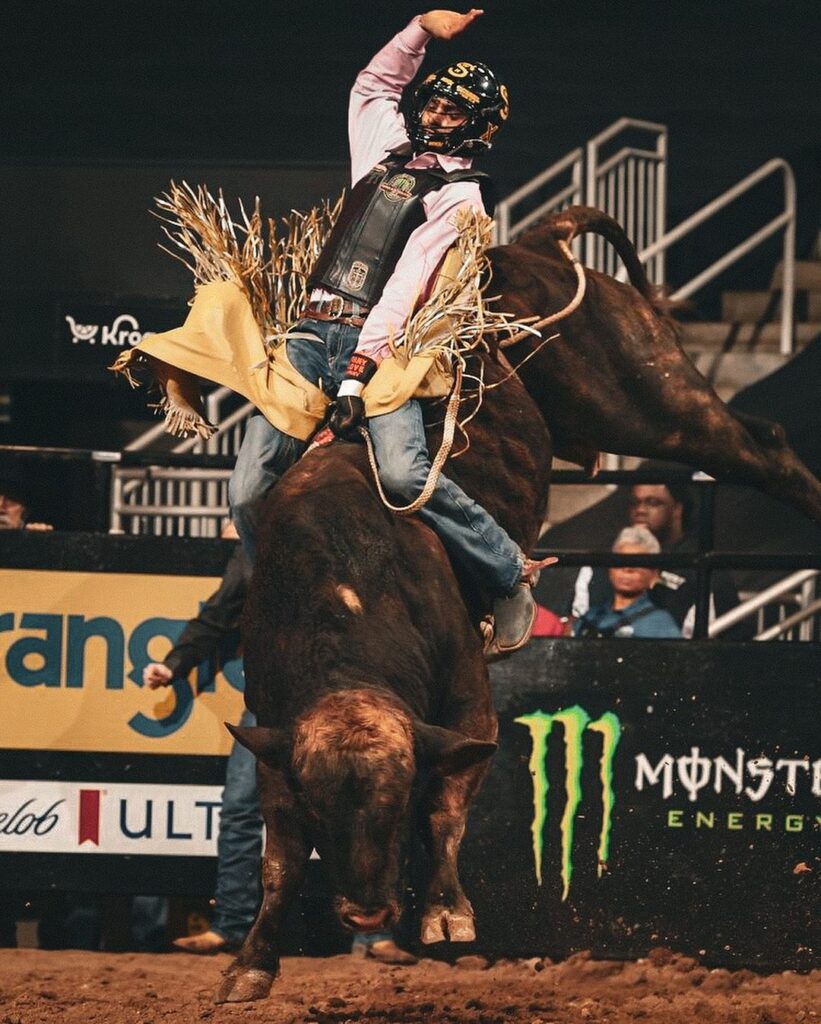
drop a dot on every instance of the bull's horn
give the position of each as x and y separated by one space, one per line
448 751
269 745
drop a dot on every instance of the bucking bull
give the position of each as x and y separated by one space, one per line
363 657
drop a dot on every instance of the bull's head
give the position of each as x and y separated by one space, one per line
353 759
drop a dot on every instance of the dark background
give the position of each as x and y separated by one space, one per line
104 102
736 80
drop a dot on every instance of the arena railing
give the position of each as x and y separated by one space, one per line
705 559
802 585
616 172
630 185
158 516
785 221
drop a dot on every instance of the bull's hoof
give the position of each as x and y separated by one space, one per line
441 924
245 987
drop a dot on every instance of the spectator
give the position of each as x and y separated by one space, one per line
14 510
239 844
630 612
547 623
666 510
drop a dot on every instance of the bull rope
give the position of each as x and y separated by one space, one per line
455 396
571 307
448 432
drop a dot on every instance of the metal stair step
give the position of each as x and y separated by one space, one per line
711 335
807 275
750 307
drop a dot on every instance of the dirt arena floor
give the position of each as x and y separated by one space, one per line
40 987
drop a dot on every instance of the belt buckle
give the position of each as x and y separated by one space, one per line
335 313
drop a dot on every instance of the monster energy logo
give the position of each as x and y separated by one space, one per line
574 721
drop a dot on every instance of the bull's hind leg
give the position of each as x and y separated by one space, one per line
447 911
251 975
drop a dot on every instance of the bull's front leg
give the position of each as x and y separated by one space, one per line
447 913
256 966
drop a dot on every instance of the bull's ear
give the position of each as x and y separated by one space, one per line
269 745
447 751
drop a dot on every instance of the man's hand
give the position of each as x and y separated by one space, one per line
447 24
39 527
347 417
349 411
156 675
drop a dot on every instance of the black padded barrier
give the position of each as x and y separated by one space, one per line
644 792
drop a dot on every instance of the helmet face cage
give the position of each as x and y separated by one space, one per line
477 93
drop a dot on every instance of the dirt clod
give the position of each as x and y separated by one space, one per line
472 963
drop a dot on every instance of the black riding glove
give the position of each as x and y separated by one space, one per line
347 417
349 411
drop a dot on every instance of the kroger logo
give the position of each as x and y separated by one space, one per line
125 330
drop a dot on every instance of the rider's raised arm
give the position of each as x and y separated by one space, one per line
375 126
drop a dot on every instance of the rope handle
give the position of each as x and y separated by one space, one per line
439 461
571 307
452 410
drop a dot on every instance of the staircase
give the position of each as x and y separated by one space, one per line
744 345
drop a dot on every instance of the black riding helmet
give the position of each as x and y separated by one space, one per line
476 91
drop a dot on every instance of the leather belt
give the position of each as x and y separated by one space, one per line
338 309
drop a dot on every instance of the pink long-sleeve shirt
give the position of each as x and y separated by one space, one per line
376 128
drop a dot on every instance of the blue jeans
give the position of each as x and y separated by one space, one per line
471 536
239 845
320 351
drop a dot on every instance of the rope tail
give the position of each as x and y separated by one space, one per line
438 462
571 307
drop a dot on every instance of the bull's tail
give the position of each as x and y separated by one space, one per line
581 220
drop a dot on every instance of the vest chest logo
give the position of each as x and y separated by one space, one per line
399 188
355 277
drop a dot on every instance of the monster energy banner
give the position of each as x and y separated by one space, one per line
652 794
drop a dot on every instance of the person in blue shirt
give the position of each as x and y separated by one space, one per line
630 612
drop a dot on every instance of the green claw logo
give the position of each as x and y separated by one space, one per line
574 721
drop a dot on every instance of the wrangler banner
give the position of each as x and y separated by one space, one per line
73 646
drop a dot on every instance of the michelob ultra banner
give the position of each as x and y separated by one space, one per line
73 647
109 818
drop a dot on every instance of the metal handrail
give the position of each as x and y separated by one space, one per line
787 624
506 231
785 219
748 608
146 439
630 186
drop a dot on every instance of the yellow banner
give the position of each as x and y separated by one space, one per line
73 647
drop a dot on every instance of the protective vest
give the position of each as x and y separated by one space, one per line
381 213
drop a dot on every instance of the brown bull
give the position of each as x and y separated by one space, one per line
616 378
363 659
366 673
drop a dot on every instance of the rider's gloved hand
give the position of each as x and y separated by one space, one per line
349 411
347 417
